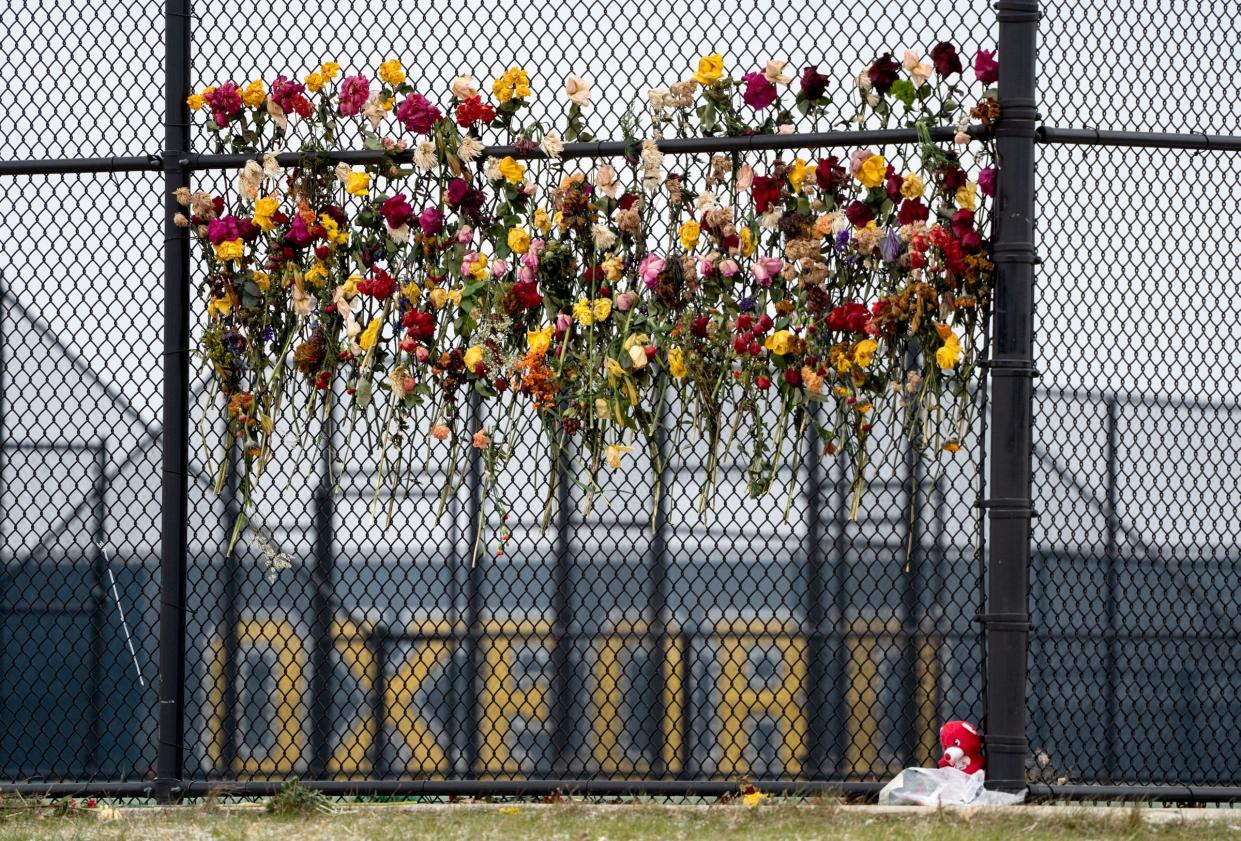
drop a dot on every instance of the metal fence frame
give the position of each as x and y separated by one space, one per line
1007 502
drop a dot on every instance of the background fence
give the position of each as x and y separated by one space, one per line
812 651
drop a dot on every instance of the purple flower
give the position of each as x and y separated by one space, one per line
299 235
431 221
354 91
759 92
224 102
456 192
986 68
746 304
417 114
945 58
882 73
813 83
223 229
986 181
890 246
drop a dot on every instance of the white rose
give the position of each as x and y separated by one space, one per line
463 87
577 89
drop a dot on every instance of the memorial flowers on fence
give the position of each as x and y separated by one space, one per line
741 302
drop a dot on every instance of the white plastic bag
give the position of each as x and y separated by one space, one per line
943 787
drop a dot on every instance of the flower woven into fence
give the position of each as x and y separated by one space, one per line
741 304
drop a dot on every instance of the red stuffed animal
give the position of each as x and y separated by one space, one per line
962 744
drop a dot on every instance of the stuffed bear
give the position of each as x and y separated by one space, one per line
962 744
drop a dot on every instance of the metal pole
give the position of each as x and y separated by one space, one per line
657 607
231 615
322 581
99 599
818 709
474 603
563 619
1012 369
175 442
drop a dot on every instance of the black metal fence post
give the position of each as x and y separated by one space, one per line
175 441
1012 369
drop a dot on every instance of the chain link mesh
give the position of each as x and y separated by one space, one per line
736 644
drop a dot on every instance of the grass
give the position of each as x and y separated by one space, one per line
580 822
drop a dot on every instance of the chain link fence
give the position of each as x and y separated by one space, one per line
738 645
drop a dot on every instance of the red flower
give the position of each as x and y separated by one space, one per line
381 286
417 114
882 73
766 191
813 83
945 58
759 93
526 294
859 214
474 110
396 211
829 175
420 325
912 211
849 317
986 68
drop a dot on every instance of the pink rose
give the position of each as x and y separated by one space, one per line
650 269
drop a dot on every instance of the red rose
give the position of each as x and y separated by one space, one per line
859 214
766 192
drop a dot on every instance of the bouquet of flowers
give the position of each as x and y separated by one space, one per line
594 301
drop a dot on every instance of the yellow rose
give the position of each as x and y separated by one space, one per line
438 298
219 306
676 363
949 354
254 94
195 101
636 340
540 341
864 353
473 356
264 209
613 267
480 268
872 171
391 72
966 197
710 69
601 309
512 170
518 240
315 81
542 222
367 340
350 287
262 280
411 291
688 235
797 174
315 273
780 342
334 234
583 313
746 235
358 183
231 249
912 186
637 357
